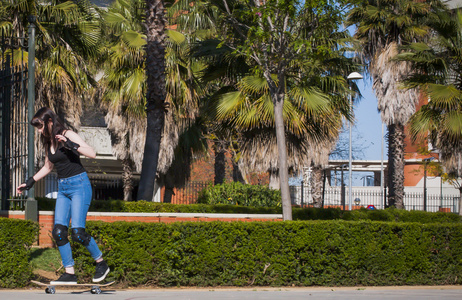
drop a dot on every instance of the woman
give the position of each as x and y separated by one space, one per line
63 149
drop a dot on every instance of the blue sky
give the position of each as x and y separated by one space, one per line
368 125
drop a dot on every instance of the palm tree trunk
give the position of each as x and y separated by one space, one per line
238 174
396 165
220 164
127 178
278 101
316 185
169 185
155 96
274 182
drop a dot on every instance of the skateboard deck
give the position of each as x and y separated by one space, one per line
95 288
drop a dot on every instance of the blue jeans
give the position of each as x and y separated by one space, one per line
73 201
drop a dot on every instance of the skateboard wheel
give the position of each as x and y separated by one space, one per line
50 290
96 290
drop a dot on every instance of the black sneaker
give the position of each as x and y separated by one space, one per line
101 271
66 278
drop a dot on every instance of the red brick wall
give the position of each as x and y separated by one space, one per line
45 220
204 170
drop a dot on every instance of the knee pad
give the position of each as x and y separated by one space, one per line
79 235
60 233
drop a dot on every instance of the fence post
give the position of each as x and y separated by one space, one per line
301 191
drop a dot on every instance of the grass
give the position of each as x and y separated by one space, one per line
46 259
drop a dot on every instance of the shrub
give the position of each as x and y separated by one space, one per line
236 193
16 238
299 253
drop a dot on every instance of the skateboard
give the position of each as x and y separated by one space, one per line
95 288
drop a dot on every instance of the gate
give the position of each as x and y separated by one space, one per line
13 115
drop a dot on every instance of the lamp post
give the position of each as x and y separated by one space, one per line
351 77
31 203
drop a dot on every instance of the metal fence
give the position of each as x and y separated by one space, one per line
361 197
110 187
189 193
13 110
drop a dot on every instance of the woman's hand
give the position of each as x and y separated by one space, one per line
26 185
67 142
61 138
20 188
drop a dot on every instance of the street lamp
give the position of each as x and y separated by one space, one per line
351 77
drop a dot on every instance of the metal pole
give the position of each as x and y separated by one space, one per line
382 180
31 203
441 192
350 175
425 187
351 76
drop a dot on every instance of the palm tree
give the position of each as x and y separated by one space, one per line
279 45
437 73
382 27
155 26
124 93
68 37
123 88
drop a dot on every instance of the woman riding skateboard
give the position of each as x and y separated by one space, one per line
63 149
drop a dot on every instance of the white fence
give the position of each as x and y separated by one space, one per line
361 196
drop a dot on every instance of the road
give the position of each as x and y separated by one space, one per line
370 293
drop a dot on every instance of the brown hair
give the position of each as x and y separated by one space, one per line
41 119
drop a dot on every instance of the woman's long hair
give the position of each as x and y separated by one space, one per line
42 118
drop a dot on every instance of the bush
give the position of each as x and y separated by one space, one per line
389 215
16 238
236 193
299 253
151 207
309 213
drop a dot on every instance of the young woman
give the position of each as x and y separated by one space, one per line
63 149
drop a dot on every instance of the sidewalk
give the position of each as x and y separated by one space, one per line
370 293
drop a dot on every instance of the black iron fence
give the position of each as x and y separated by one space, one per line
13 114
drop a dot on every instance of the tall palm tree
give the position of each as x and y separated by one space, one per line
123 87
124 92
382 27
437 67
155 26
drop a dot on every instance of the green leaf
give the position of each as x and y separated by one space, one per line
134 39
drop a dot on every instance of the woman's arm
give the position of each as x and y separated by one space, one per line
82 147
44 171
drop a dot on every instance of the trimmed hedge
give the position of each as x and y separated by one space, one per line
389 215
309 213
300 253
147 206
16 238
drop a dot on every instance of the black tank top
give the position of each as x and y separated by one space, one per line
67 162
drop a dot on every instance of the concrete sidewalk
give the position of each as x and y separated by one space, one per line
370 293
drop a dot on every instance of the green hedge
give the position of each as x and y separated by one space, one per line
16 238
45 204
236 193
309 213
300 253
389 214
